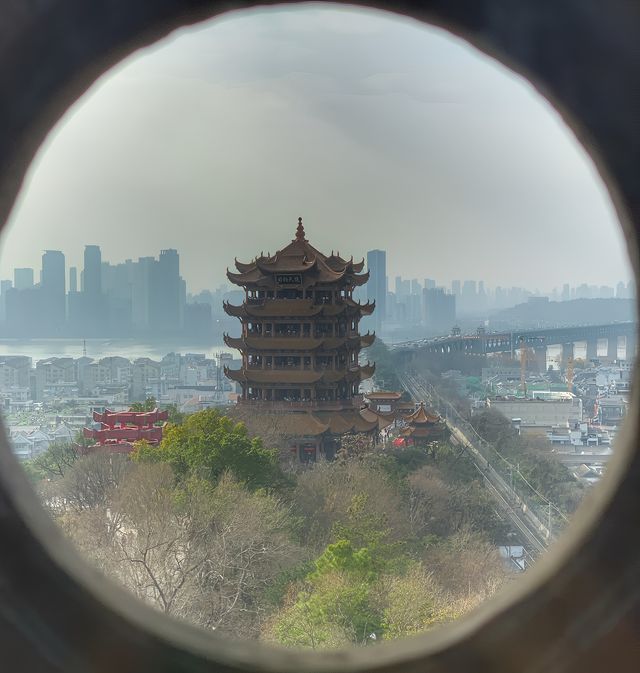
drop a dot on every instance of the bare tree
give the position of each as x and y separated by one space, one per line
201 552
325 494
56 460
93 479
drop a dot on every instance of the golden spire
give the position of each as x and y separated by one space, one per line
300 231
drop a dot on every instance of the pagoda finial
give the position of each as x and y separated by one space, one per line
300 231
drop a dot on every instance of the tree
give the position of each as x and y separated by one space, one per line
93 479
209 444
429 502
355 445
468 566
148 405
55 461
324 497
336 605
198 551
414 603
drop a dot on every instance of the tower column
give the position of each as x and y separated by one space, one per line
612 348
630 347
592 349
540 353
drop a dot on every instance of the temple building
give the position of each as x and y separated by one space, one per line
119 430
300 346
423 427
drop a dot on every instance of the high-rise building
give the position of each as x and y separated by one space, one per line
481 297
117 288
429 283
141 293
5 290
94 314
73 279
92 271
377 285
403 289
53 292
455 287
22 278
165 304
468 296
439 310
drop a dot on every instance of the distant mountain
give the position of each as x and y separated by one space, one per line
538 312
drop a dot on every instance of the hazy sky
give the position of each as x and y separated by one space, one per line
380 132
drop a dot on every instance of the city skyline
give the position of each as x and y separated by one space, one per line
375 261
372 128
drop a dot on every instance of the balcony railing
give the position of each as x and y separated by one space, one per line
308 405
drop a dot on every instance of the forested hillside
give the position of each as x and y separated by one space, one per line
207 527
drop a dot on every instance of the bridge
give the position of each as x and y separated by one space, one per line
483 342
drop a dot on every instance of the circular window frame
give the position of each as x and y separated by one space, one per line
579 607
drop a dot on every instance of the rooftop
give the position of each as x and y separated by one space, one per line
299 257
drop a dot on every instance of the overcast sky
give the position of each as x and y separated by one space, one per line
380 132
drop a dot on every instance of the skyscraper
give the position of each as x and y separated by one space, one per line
377 285
22 278
92 271
141 293
165 305
468 296
73 279
52 290
439 310
94 310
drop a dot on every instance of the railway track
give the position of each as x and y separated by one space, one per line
535 534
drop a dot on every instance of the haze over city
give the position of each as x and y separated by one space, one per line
380 132
316 329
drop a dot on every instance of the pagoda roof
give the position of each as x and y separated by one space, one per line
297 424
383 420
312 423
290 308
345 422
299 256
421 417
297 343
299 376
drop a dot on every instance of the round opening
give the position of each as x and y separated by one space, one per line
545 570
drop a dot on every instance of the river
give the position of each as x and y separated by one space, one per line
38 349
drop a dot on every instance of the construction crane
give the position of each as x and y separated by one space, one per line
569 374
569 370
524 354
523 370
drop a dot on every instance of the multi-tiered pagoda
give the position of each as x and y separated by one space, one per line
300 344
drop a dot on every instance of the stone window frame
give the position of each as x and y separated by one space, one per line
579 607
